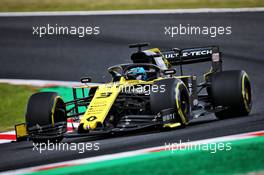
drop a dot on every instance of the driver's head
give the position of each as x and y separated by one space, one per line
137 73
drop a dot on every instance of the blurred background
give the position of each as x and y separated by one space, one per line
77 5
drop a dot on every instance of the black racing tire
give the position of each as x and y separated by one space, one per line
231 90
46 109
175 96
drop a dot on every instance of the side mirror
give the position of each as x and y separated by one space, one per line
86 79
170 71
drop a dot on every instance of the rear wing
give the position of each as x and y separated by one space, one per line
179 57
195 55
192 55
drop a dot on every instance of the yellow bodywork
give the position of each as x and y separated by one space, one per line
21 131
100 105
105 97
103 100
171 125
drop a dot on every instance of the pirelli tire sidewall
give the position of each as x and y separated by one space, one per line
232 90
175 96
45 109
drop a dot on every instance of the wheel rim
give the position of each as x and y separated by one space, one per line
246 92
184 103
184 107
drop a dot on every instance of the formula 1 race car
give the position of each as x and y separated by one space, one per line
147 93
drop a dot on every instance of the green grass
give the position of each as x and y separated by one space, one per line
13 100
69 5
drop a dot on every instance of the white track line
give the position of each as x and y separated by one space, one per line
127 154
131 12
43 83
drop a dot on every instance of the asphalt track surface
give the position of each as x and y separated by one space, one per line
25 56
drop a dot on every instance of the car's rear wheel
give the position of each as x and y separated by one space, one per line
231 90
175 96
46 117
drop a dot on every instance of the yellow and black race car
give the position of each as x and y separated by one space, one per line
147 93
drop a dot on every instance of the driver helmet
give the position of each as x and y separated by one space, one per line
138 73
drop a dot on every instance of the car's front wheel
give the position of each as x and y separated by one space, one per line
46 117
173 95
